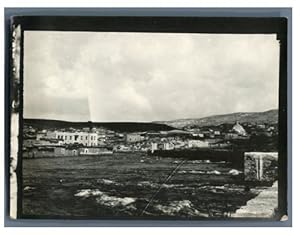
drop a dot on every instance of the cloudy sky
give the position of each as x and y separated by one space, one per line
81 76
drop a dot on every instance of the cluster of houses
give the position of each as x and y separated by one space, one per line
98 141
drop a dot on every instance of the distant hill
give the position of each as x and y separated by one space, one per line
270 116
116 126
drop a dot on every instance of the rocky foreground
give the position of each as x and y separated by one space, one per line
263 205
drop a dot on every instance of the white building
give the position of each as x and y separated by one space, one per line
168 146
85 138
217 133
237 128
134 137
154 146
197 144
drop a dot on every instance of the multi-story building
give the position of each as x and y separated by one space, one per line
84 138
134 137
168 146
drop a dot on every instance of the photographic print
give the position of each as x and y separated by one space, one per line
146 124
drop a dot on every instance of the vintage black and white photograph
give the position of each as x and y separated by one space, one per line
149 125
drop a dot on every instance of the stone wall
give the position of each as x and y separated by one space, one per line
261 166
262 206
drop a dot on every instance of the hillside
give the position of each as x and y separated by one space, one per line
116 126
270 116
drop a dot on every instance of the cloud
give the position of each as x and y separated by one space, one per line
147 76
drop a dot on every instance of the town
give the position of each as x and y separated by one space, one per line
82 141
